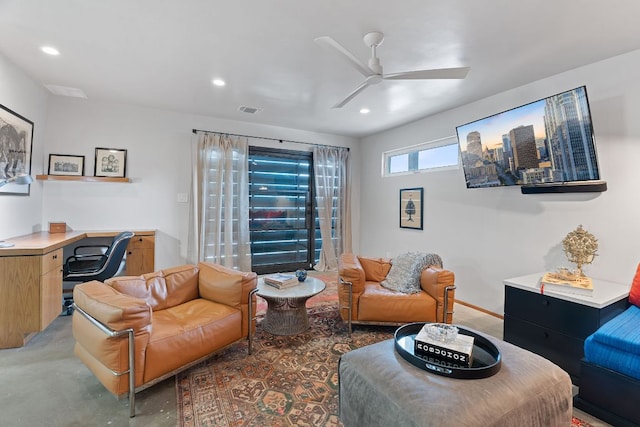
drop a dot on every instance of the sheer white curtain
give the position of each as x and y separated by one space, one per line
219 229
333 200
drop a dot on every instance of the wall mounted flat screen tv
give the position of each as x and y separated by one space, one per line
545 142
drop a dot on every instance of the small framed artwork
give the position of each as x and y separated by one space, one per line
64 164
16 139
411 208
111 162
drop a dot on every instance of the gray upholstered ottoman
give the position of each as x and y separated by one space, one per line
379 388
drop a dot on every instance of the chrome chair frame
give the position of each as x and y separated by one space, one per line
129 332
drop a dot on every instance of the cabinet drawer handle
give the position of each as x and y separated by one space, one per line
546 335
128 253
545 302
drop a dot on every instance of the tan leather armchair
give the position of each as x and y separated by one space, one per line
133 332
362 300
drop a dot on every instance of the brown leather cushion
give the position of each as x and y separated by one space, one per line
379 304
161 289
222 284
187 332
98 351
375 269
112 308
350 270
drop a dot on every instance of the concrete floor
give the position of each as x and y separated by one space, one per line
44 384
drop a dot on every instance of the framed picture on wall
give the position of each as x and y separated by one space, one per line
63 164
16 139
110 162
411 208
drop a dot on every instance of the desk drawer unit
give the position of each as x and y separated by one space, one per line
140 255
31 278
50 287
552 327
30 295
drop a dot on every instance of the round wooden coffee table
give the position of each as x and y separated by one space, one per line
286 308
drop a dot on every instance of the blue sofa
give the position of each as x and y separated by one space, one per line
610 371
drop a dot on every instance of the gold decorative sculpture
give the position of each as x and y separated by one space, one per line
580 246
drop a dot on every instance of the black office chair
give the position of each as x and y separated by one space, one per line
93 262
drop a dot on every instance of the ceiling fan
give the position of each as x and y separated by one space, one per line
373 71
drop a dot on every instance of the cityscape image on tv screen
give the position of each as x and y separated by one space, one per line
550 140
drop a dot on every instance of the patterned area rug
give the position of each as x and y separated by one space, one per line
576 422
287 381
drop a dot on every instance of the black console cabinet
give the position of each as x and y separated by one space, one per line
555 327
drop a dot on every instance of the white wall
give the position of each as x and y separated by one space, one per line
487 235
484 235
158 147
19 93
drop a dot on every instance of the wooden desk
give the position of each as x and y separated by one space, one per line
31 278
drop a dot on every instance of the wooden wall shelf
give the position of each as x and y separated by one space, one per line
81 178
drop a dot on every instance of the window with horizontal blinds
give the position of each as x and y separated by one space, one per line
285 234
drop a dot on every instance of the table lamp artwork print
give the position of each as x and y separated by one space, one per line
410 210
411 202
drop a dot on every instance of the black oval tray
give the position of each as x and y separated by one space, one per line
486 358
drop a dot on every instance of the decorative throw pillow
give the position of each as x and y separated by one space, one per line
404 275
634 293
375 269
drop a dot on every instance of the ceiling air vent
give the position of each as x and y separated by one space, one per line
249 110
66 91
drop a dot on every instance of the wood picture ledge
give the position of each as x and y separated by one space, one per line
81 178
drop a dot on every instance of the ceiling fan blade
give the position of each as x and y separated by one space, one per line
353 94
328 42
440 73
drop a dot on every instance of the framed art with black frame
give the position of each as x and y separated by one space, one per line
64 164
411 208
16 140
110 162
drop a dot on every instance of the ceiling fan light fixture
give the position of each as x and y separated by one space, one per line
364 110
372 70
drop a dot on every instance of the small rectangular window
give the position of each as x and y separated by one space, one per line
438 157
438 154
398 164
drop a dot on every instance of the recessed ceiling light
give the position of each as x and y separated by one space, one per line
50 50
364 111
218 82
